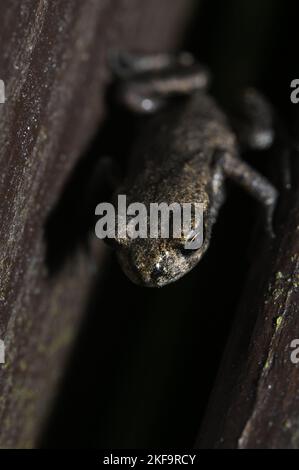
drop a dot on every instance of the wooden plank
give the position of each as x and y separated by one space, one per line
53 62
255 401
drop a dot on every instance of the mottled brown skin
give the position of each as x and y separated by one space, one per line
184 155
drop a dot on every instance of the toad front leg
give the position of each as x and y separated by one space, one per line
255 130
254 183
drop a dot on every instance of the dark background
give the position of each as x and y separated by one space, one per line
145 360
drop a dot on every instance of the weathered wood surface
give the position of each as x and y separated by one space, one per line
255 402
53 62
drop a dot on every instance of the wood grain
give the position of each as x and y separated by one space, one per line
53 62
255 401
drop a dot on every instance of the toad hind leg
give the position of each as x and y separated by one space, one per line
254 183
253 120
129 64
258 127
149 81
